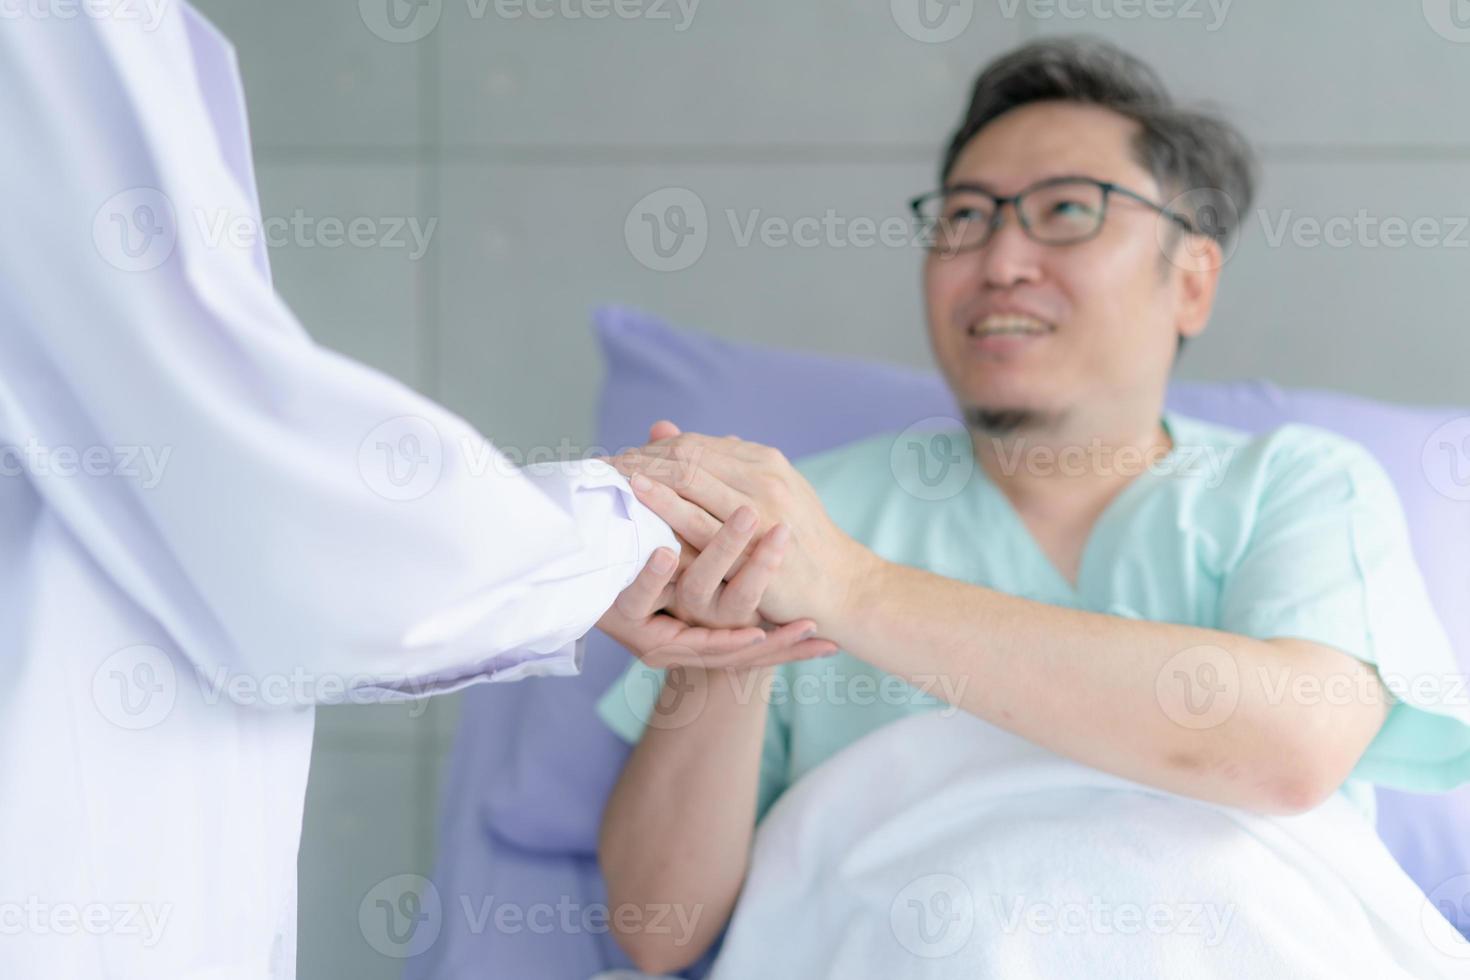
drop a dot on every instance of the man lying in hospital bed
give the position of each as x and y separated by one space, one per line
1115 684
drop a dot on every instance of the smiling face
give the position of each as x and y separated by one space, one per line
1057 332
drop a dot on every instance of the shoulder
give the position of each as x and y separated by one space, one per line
1286 453
1294 466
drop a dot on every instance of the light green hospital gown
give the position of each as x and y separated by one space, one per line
1295 533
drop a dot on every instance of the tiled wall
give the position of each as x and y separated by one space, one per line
530 130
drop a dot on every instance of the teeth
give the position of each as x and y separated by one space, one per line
1004 323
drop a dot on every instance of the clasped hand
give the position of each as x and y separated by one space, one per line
762 566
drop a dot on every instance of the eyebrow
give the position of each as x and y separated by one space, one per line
983 188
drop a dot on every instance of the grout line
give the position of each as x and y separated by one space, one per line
423 731
643 154
426 812
1028 28
428 157
1364 153
429 198
367 742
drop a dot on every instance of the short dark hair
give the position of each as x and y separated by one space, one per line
1184 149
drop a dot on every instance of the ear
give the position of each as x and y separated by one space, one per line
1197 260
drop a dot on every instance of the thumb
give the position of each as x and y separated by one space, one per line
662 429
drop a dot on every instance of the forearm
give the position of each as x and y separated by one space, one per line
1123 695
677 829
1130 697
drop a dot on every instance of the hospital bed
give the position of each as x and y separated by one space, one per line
532 765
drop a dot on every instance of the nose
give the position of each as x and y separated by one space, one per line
1009 256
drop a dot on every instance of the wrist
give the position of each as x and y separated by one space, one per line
732 694
858 586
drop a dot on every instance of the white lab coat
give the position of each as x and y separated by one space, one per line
208 524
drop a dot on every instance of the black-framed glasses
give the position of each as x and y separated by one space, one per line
1055 211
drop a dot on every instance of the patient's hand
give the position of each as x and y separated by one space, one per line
694 482
693 617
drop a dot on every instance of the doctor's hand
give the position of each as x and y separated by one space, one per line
699 619
695 482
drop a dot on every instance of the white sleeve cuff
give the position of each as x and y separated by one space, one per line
539 627
632 531
565 662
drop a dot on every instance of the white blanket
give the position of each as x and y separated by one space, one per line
941 846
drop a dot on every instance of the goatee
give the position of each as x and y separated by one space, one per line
999 421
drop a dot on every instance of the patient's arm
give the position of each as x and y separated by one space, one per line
676 833
678 825
1093 687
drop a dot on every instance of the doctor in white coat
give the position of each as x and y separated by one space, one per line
208 524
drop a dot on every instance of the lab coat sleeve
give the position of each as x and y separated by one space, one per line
276 507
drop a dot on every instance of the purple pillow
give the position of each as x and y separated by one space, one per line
550 794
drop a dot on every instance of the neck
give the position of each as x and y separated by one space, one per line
1072 459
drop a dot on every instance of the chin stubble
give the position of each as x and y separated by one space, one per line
999 421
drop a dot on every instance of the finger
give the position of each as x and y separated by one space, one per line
662 462
698 444
700 583
804 650
662 429
694 646
742 597
789 643
774 648
692 483
733 465
675 457
733 462
641 598
687 553
689 520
